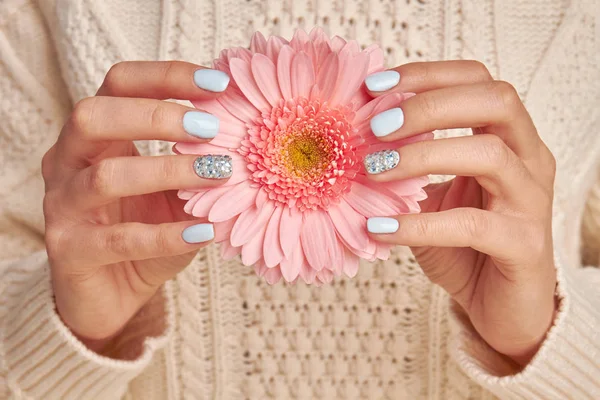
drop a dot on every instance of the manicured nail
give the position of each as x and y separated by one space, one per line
382 225
198 233
381 161
211 79
213 166
382 81
200 124
387 122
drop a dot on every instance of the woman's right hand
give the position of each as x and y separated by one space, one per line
115 229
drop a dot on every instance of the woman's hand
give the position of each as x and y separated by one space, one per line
115 229
485 236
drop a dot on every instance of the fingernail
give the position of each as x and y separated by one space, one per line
382 81
213 166
200 124
381 161
387 122
211 79
198 233
382 225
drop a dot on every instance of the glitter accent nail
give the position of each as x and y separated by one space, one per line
381 161
213 166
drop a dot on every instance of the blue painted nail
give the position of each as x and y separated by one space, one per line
382 81
211 79
382 225
198 233
201 124
387 122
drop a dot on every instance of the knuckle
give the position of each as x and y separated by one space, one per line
496 153
162 242
479 70
117 242
158 117
168 71
115 76
167 168
429 105
506 94
100 177
473 224
83 114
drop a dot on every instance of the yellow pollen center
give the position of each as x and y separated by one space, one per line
305 154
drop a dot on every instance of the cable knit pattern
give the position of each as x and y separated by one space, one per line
216 331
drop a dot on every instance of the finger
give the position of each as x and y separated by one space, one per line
485 157
115 178
97 121
163 80
503 237
420 77
495 107
102 245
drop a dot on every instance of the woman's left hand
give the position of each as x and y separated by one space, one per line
485 236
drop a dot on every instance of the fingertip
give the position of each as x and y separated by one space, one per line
198 233
382 225
211 80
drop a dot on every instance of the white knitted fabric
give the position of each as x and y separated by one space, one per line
217 331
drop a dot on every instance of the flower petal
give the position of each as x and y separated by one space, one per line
232 203
249 223
337 43
375 106
302 75
328 76
376 59
284 70
265 75
272 276
274 45
252 251
223 230
290 266
368 201
289 231
349 224
242 74
258 43
351 263
228 251
351 76
206 202
236 104
271 247
299 40
317 35
318 240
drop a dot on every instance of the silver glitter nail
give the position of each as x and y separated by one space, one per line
213 166
381 161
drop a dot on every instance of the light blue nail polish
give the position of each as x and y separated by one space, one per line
382 81
387 122
382 225
211 79
201 124
198 233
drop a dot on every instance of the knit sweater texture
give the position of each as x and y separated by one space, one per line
217 331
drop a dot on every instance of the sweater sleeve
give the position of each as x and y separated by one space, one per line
39 356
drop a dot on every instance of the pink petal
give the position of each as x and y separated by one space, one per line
318 240
369 202
290 267
228 251
383 251
350 225
271 248
206 202
299 40
407 187
351 76
398 201
307 273
328 76
351 263
242 74
238 199
217 109
252 251
318 35
376 59
186 194
377 105
239 106
249 223
284 70
258 43
205 148
223 230
265 74
189 206
289 231
325 276
337 43
272 276
274 45
303 75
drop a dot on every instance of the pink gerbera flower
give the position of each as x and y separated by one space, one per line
295 121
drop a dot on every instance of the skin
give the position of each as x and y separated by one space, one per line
485 236
114 222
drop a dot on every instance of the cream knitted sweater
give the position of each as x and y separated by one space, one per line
216 331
